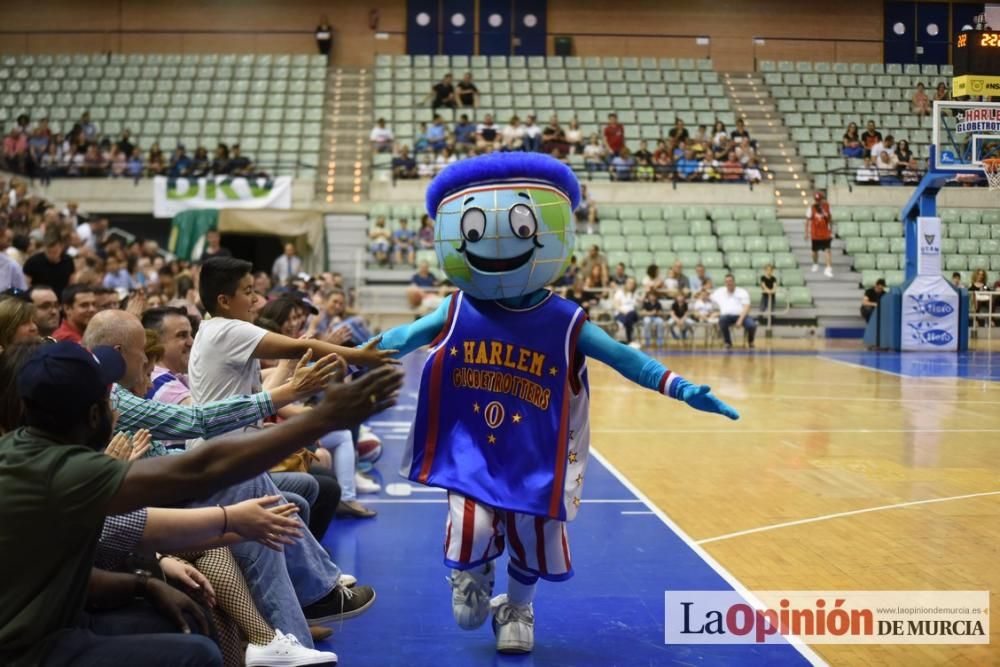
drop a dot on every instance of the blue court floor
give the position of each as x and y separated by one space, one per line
611 614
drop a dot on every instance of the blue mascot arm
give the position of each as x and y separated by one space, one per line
648 372
408 337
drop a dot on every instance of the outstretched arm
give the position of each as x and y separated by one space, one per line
648 372
408 337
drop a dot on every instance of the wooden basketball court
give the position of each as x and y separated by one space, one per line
838 476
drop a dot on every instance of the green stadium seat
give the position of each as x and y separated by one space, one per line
863 262
683 243
726 228
706 243
949 246
956 263
738 260
745 277
877 245
869 229
886 261
978 231
799 296
756 244
792 277
956 230
732 243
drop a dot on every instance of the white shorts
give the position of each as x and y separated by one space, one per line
477 533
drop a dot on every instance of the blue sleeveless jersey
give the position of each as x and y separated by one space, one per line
496 409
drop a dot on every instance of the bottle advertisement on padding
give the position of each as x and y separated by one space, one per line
930 304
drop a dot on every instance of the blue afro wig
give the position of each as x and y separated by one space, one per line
500 167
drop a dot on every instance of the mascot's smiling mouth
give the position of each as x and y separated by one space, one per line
499 265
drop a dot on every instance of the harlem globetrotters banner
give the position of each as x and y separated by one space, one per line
173 195
930 304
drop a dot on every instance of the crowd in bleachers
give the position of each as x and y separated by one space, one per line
44 152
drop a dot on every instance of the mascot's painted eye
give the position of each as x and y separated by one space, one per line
522 221
473 224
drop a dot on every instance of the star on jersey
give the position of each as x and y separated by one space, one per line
572 457
491 439
516 418
453 351
576 501
579 479
475 408
553 371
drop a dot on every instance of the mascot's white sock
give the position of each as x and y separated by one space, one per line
521 586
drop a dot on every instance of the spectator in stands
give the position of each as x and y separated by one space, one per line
662 161
941 93
442 94
574 137
554 139
532 135
404 242
425 235
79 306
871 298
465 134
213 246
708 169
134 165
644 170
380 241
979 283
882 146
851 145
487 135
653 282
572 273
46 309
286 266
870 137
768 289
683 283
124 143
404 166
819 230
740 133
643 151
220 161
381 137
744 150
622 166
200 164
867 173
751 173
239 164
577 295
700 143
909 172
324 37
703 307
614 135
512 135
52 266
180 163
156 164
11 273
625 304
956 280
651 311
421 142
596 258
586 212
88 128
734 310
678 134
681 322
732 170
423 278
443 159
888 168
595 285
688 167
15 151
700 279
116 275
437 134
619 276
720 137
38 146
595 154
468 94
903 152
920 103
17 321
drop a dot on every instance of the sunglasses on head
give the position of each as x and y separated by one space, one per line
17 293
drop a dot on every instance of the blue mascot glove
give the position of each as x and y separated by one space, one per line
699 397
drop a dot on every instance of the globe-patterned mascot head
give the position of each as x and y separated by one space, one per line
504 222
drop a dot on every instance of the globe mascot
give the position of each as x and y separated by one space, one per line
502 416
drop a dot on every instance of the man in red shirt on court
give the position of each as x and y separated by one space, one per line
819 228
614 135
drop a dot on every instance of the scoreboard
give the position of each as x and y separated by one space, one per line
976 60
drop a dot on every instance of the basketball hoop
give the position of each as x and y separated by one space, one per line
991 167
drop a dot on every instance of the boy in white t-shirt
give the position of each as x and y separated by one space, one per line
225 361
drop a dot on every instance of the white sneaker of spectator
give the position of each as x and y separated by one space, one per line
828 272
286 651
815 268
365 434
365 484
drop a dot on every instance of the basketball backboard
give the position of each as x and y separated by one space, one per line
964 134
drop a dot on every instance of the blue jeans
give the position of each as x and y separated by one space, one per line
300 488
341 446
282 582
652 328
749 325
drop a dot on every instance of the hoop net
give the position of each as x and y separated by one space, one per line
991 167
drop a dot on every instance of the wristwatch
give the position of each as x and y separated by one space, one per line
141 579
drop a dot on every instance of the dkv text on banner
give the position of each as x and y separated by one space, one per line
173 195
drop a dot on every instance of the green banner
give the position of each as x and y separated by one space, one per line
188 229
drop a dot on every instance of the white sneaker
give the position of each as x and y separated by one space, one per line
286 651
470 596
815 268
365 484
828 272
347 580
365 434
513 625
636 344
